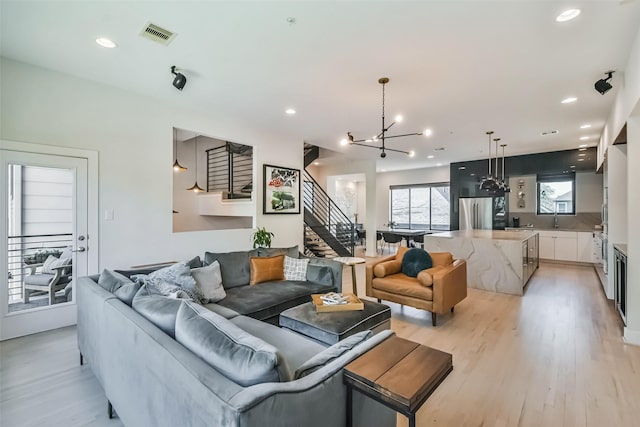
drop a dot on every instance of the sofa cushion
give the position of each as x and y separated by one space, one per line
127 292
294 348
209 282
401 251
266 269
292 252
387 268
295 269
238 355
330 354
441 258
112 281
52 262
234 266
414 261
320 274
269 299
158 309
402 284
173 280
194 262
425 277
225 312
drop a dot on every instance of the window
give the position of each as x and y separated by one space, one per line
556 194
421 206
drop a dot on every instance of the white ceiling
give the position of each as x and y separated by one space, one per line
457 67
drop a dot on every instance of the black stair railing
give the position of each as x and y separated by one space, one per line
230 170
326 219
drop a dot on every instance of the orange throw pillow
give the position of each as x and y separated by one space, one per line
266 269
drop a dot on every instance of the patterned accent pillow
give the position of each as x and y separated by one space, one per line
54 262
295 269
167 279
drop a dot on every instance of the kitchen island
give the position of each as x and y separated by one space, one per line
498 261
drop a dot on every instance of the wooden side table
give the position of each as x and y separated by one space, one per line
398 373
352 261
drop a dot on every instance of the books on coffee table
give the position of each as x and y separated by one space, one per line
325 303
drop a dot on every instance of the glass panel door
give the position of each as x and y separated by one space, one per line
44 241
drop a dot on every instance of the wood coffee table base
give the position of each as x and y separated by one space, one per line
398 373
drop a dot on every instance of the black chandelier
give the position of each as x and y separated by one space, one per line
382 136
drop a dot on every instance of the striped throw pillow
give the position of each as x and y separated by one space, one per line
53 262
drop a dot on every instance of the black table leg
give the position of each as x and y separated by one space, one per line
412 420
349 406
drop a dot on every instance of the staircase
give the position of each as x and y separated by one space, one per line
230 170
328 232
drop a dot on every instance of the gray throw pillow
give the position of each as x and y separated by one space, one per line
194 262
158 309
112 281
330 354
234 266
168 279
209 282
238 355
127 292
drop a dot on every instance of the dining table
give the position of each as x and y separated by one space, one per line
407 233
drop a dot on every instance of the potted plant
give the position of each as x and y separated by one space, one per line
262 238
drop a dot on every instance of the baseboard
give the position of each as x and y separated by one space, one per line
576 263
631 336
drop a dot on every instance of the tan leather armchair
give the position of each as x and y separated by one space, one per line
437 289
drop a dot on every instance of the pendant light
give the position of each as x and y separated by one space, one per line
505 186
196 188
489 183
177 167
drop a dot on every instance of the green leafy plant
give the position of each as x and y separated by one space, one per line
262 238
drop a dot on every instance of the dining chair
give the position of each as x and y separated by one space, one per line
390 238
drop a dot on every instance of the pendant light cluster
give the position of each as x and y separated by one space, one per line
195 187
490 183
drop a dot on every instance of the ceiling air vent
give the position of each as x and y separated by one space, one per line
549 132
157 34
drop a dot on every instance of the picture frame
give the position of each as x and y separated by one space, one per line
280 190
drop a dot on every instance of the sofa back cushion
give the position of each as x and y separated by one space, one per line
443 259
112 281
234 266
209 282
266 269
291 252
241 357
158 309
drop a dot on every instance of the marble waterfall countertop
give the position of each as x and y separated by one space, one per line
495 259
517 235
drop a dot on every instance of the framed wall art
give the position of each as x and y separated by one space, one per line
281 190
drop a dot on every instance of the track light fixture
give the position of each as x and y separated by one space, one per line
180 80
382 136
603 86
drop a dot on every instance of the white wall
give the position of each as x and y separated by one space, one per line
133 135
415 176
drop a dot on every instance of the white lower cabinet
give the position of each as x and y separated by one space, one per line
588 247
559 245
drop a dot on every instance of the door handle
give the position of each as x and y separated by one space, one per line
80 249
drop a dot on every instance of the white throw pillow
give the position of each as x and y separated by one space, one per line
53 262
209 282
295 269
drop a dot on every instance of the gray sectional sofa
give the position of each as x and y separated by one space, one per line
168 362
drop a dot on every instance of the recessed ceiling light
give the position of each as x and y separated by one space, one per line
383 170
412 153
105 42
430 156
316 163
568 15
569 100
438 164
582 149
582 145
584 138
585 126
427 132
290 111
399 118
344 141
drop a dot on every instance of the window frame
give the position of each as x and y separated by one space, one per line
423 185
542 179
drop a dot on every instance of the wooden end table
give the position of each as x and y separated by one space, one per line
398 373
352 261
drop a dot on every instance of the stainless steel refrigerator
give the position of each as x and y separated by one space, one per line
476 213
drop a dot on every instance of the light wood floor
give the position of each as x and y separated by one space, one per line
554 357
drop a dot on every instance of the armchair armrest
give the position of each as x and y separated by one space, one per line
369 271
449 285
33 267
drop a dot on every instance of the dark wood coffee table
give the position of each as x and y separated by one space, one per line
398 373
